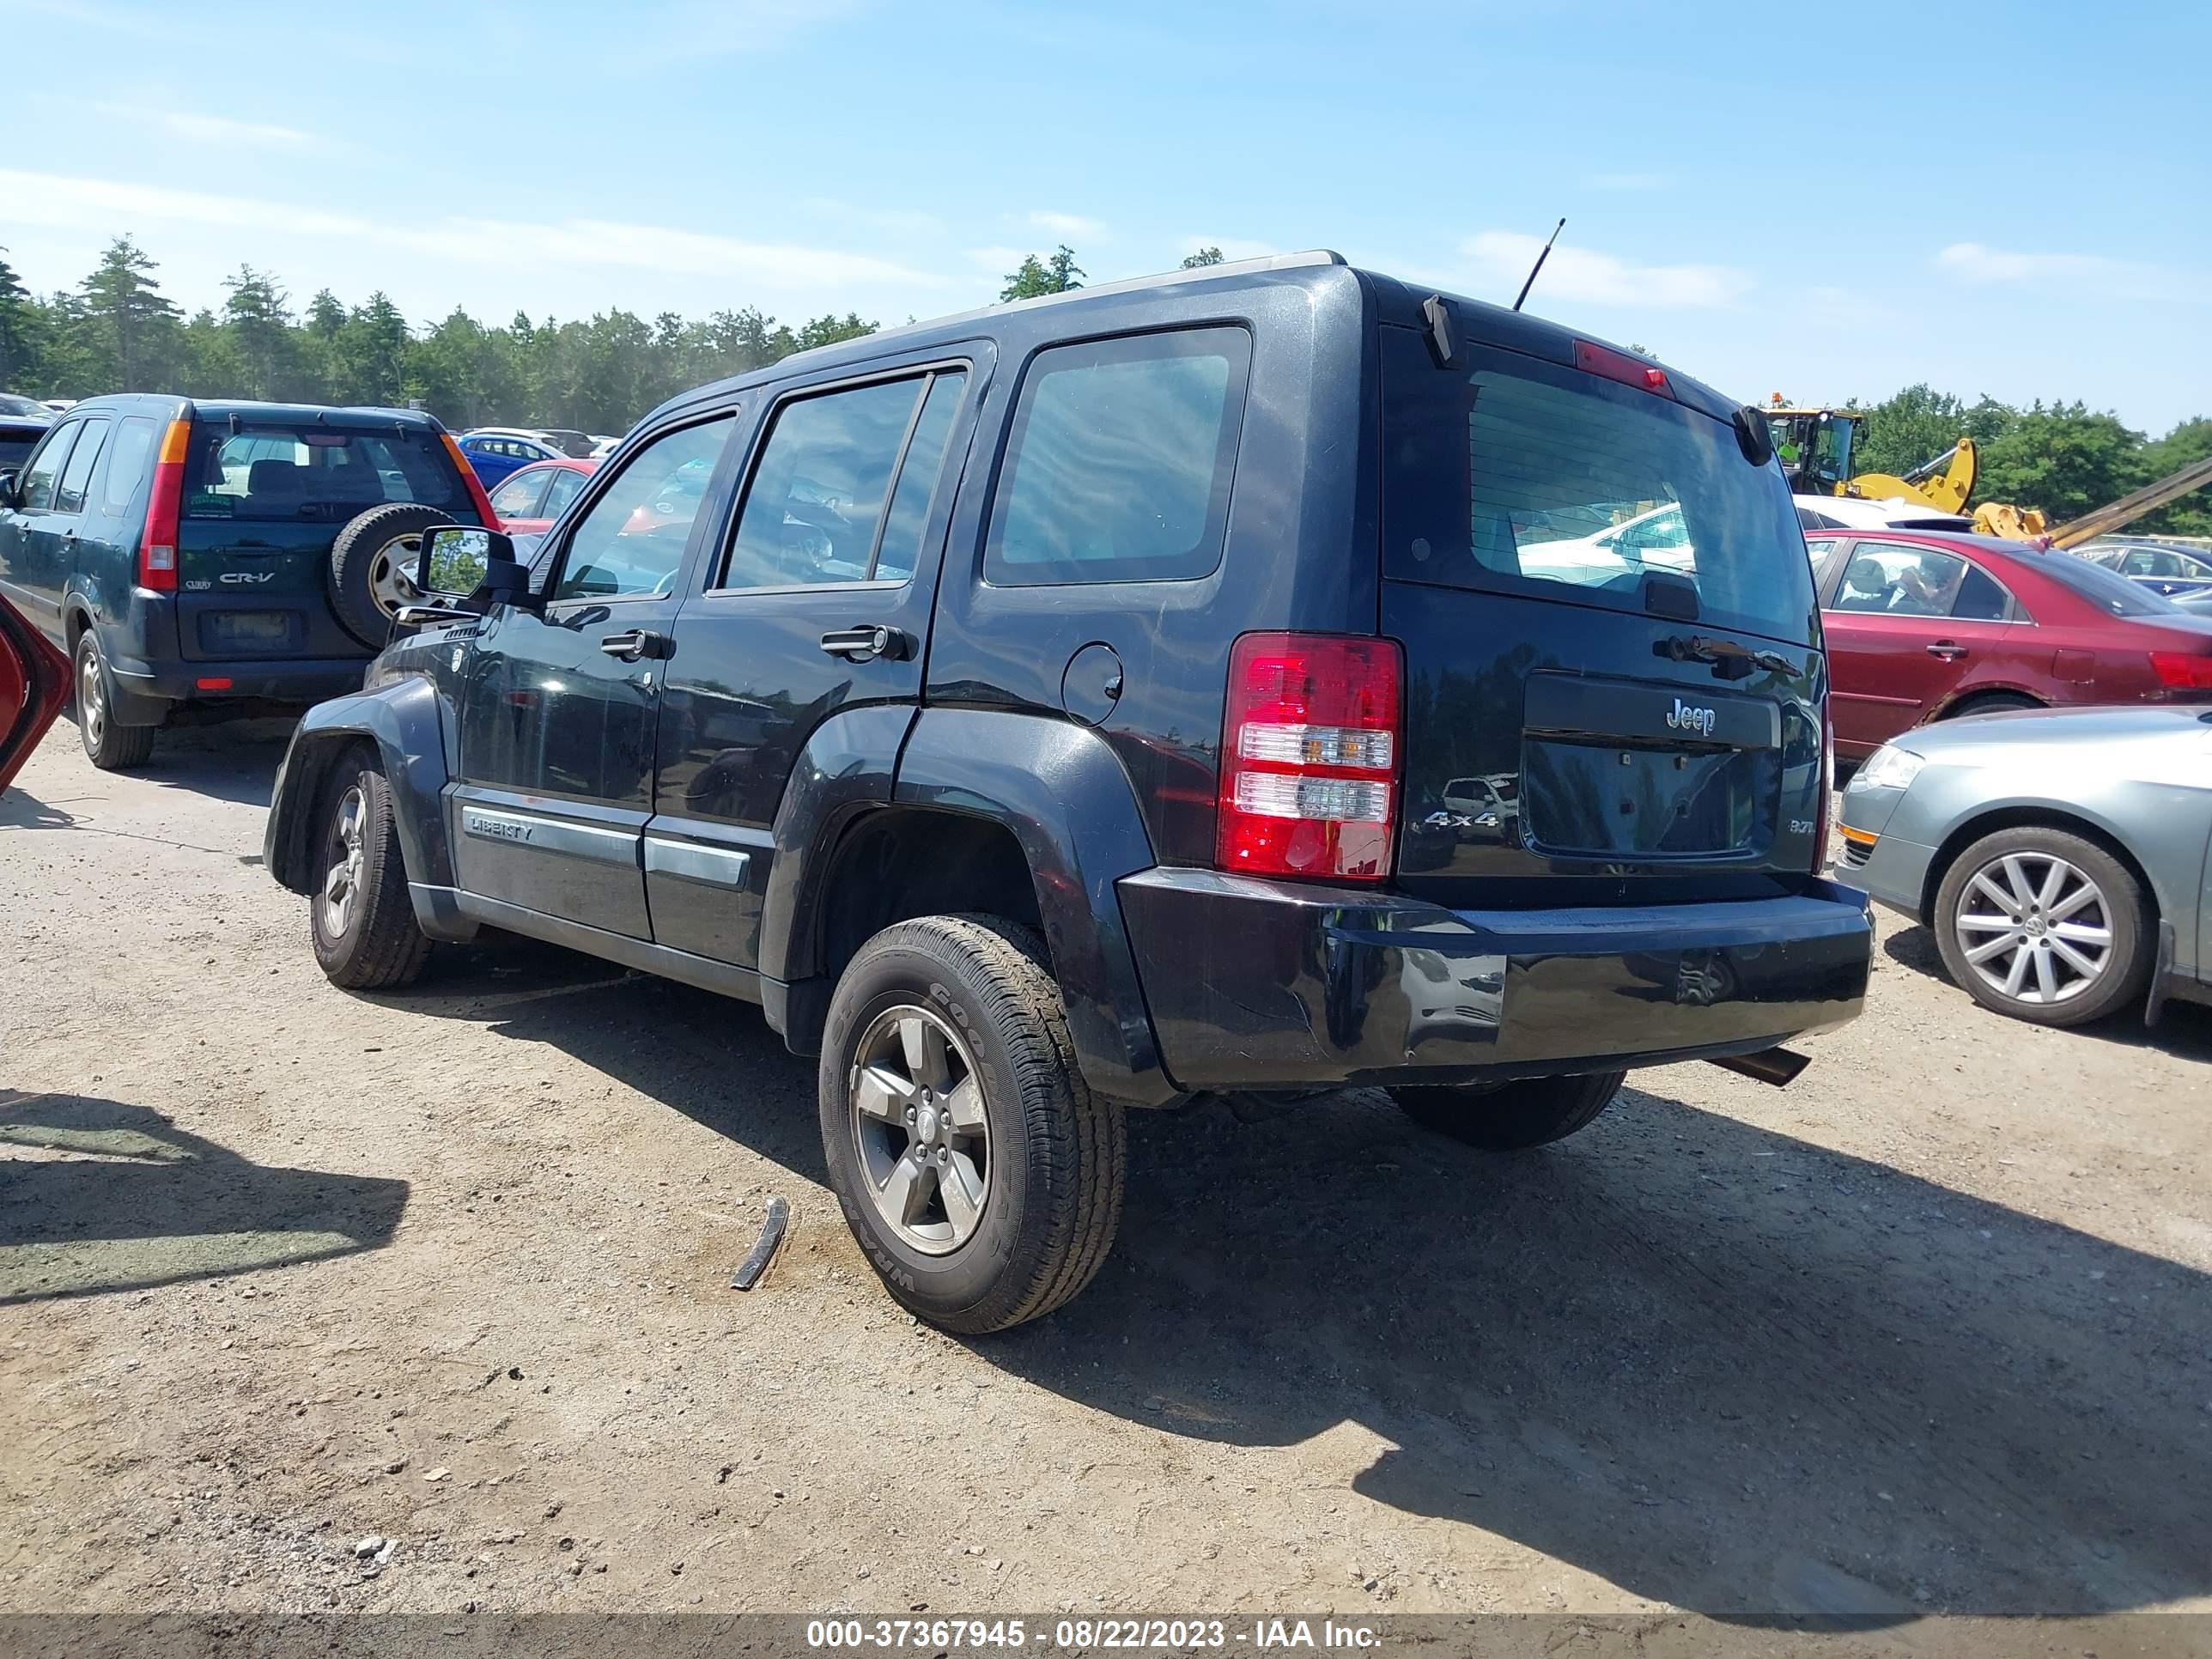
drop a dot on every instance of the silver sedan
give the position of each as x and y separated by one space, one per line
2058 855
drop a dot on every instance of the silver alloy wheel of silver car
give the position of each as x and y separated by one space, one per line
918 1128
2034 927
91 700
392 574
348 850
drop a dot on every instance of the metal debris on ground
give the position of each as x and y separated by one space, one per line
771 1235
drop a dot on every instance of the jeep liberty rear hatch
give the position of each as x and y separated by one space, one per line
1575 536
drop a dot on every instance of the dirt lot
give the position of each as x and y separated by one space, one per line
285 1267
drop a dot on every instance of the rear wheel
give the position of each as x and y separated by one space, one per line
373 563
360 918
975 1167
2044 926
1990 702
1512 1117
108 745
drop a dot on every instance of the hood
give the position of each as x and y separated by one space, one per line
2054 728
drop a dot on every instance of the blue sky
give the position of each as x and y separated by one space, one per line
2011 203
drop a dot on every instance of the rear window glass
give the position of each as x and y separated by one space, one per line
1531 478
266 472
128 466
1120 463
2106 589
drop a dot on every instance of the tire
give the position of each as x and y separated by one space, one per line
1512 1117
364 933
944 1003
1990 702
372 567
107 746
1993 899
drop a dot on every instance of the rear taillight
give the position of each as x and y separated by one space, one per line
1825 809
1310 756
157 548
485 516
2181 671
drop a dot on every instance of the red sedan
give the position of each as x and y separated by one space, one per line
529 499
1922 625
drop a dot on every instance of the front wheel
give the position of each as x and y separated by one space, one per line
2044 925
362 922
976 1170
1516 1116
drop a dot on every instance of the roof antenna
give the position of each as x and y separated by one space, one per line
1539 265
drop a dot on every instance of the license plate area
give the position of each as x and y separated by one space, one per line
249 633
1616 771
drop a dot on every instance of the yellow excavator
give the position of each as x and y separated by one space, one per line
1814 445
1815 448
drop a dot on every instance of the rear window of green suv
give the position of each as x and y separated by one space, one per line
270 472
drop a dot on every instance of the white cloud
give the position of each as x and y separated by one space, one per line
1974 263
1067 224
1501 259
106 207
995 259
897 222
215 128
1633 183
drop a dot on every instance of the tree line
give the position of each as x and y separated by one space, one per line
117 332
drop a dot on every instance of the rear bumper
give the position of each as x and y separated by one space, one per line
292 680
1262 984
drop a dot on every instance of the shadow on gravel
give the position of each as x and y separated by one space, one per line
2183 1028
1715 1365
125 1200
236 761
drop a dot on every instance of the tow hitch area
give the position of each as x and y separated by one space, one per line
1778 1067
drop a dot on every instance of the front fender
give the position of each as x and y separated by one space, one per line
1062 792
402 717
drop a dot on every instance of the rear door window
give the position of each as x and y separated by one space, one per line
1528 477
1119 464
521 496
566 487
821 506
128 464
76 477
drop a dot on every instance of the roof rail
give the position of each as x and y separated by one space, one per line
1128 284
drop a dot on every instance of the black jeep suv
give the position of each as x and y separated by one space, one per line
1068 706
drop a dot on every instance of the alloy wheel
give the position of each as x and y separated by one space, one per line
91 700
392 574
2034 927
918 1128
347 850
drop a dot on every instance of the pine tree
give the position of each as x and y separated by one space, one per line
136 321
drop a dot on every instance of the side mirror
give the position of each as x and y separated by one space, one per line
456 558
7 488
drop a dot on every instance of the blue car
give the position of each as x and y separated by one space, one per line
2162 566
492 451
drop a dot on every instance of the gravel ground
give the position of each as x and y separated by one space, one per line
284 1271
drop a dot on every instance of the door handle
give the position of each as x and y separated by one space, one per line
1947 649
637 643
868 642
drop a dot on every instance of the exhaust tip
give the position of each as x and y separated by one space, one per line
1778 1067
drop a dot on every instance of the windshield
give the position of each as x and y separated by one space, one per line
2106 589
1536 478
265 473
